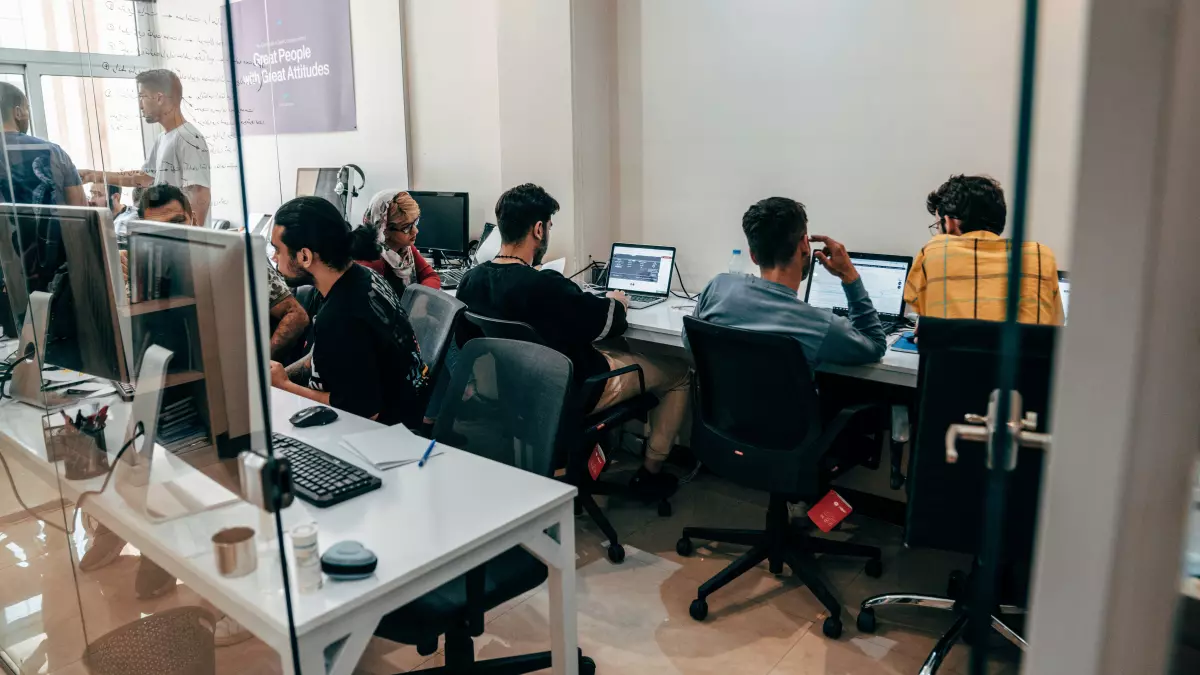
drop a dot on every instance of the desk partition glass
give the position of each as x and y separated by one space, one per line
136 349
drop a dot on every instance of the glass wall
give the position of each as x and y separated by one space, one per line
135 351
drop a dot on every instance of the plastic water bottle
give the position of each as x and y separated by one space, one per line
739 263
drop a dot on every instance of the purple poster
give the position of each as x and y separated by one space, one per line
295 72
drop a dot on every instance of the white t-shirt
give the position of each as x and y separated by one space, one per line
180 158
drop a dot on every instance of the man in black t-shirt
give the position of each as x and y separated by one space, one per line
568 320
365 357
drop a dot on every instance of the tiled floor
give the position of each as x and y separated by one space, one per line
632 617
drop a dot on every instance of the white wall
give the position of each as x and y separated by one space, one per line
536 128
856 109
594 117
454 100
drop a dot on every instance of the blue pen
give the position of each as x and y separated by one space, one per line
425 457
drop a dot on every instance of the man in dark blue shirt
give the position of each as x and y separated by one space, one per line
33 171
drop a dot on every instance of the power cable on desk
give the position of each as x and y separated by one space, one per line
686 294
138 432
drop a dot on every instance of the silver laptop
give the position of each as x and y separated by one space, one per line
642 272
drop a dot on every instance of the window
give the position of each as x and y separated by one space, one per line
95 119
13 78
96 26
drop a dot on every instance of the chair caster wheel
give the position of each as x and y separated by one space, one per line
616 553
874 568
956 585
897 482
684 547
832 628
866 621
664 509
698 609
587 666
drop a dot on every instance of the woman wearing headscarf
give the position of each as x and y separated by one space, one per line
386 242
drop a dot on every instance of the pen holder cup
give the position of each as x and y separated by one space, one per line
84 454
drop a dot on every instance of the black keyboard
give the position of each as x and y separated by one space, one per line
318 477
643 298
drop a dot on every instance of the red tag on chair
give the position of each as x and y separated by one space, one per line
596 462
830 511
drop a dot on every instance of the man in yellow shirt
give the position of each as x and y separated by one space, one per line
962 273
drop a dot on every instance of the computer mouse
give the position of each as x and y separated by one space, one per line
316 416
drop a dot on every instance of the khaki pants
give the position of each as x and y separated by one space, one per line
666 377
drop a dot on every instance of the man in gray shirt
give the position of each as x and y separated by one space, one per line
777 232
179 157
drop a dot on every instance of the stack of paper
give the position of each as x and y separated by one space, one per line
387 448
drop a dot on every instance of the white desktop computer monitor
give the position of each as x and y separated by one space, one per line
319 183
882 275
1064 288
644 270
87 326
207 271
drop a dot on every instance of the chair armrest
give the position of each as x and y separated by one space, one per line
829 434
598 380
900 428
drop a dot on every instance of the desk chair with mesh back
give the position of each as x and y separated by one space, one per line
959 362
758 423
588 427
433 315
505 402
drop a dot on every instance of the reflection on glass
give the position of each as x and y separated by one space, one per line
97 26
94 119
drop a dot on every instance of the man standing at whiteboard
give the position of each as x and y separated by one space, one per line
179 156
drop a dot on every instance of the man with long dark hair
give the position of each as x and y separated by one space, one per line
365 358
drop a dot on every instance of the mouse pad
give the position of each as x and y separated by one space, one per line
906 343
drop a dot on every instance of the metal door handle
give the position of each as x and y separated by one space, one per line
980 429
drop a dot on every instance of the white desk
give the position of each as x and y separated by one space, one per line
428 526
663 324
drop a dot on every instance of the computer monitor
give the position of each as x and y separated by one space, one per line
320 183
207 270
882 275
489 244
259 224
1064 288
644 270
443 230
87 328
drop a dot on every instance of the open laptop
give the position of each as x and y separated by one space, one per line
642 272
882 275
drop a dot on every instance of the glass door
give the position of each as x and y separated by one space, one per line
1084 434
135 427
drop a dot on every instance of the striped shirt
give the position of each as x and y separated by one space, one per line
966 277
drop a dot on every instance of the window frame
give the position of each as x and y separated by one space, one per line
34 63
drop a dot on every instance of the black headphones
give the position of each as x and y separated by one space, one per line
345 185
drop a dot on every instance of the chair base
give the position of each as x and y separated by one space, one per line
780 543
460 660
866 622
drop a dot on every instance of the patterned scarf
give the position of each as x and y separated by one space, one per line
402 262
